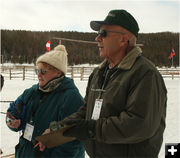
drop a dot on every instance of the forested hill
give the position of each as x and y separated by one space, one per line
25 46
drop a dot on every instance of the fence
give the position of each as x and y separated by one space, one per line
28 72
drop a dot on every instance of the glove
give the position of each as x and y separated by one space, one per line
54 126
82 129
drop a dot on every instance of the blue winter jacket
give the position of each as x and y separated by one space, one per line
44 108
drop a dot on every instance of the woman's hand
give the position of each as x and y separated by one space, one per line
14 124
42 146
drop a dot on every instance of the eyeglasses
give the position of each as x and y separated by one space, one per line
103 33
41 71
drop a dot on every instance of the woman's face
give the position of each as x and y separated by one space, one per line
46 73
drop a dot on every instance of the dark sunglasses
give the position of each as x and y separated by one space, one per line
103 33
41 71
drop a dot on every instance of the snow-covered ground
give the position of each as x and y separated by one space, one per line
13 88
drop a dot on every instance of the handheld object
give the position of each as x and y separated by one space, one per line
55 138
9 117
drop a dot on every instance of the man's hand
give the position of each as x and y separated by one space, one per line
82 129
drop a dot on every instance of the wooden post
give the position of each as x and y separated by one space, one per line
72 72
82 73
23 72
2 62
10 73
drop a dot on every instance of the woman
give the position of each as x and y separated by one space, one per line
52 99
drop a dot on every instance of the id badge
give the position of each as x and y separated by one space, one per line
97 109
28 131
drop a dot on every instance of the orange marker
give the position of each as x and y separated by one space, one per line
36 145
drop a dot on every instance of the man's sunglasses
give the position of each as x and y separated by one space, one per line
41 71
103 33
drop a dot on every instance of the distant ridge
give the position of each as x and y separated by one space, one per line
25 46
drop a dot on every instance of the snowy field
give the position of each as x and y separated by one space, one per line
13 88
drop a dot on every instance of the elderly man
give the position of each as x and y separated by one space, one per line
125 103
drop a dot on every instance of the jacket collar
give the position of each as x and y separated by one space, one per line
52 85
128 61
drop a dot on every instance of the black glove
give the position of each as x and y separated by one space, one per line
82 129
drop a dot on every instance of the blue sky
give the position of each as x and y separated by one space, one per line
75 15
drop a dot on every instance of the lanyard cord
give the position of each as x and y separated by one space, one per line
108 75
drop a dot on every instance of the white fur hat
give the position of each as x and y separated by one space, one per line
56 58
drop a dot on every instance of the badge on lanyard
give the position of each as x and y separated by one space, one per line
28 131
97 109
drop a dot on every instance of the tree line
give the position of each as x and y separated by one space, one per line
18 46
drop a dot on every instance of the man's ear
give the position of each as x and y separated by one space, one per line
126 38
124 41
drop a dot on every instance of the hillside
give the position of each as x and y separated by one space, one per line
19 46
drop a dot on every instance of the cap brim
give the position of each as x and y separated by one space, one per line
95 25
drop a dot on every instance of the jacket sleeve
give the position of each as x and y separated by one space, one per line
16 110
18 107
145 109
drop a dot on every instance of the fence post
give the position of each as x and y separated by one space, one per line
82 73
10 73
23 72
72 72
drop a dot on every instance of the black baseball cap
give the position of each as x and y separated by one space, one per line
118 17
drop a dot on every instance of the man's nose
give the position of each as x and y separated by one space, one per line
98 38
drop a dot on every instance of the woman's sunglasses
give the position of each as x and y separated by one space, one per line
103 33
41 71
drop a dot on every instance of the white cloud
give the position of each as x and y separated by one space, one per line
74 15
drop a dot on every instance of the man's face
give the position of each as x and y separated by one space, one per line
110 45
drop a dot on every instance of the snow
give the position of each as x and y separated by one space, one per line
13 88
